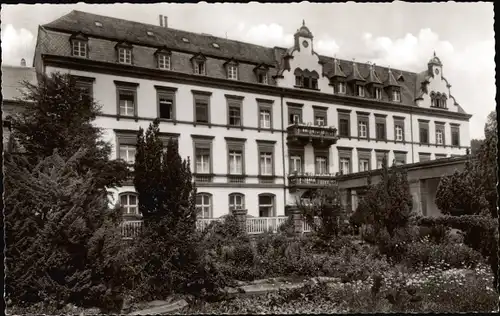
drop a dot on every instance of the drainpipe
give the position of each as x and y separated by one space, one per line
285 179
411 138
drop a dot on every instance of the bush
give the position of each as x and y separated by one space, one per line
426 253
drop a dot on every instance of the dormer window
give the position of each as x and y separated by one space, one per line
377 93
198 62
360 90
262 78
232 72
124 52
341 88
306 79
396 95
79 46
164 61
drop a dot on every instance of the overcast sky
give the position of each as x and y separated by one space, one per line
400 35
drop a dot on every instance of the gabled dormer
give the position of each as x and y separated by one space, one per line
198 62
261 72
373 83
232 70
356 81
338 78
79 45
163 57
393 87
124 53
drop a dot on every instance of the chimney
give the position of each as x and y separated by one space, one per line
161 20
23 62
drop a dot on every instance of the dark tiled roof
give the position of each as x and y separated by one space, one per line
355 75
372 76
391 81
12 77
134 32
332 68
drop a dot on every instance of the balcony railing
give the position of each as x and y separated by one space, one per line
306 228
259 225
302 134
308 180
254 225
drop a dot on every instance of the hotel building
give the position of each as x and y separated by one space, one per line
255 121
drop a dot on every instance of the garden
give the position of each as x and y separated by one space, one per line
65 254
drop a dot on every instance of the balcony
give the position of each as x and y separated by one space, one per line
310 181
318 136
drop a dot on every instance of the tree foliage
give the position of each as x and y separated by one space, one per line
57 115
166 254
470 196
388 203
63 245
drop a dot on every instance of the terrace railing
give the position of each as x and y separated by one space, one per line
309 180
308 133
259 225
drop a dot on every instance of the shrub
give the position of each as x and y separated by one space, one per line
426 253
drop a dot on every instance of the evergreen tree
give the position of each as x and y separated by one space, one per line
72 254
387 204
166 257
57 114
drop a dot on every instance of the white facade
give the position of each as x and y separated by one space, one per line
279 94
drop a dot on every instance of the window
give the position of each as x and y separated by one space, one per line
439 137
378 93
424 132
201 107
125 55
235 162
396 95
236 201
455 135
129 203
127 153
319 116
232 72
163 61
380 131
262 78
344 124
234 112
381 156
265 113
399 158
166 97
363 130
321 163
345 165
85 84
364 165
341 88
266 205
199 67
204 205
295 164
380 127
305 82
202 160
79 48
360 91
399 129
298 81
127 98
314 83
424 157
294 115
266 157
266 163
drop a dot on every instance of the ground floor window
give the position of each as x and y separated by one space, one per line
204 205
236 201
129 203
266 205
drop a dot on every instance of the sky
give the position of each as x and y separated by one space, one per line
400 35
